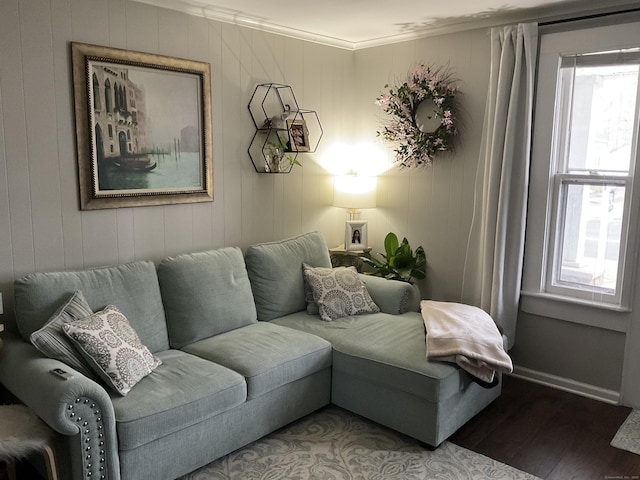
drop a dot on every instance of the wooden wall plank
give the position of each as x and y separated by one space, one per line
6 244
142 25
15 142
87 20
230 105
292 194
41 134
201 213
117 15
125 234
257 190
71 217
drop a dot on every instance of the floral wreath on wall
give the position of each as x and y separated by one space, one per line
428 94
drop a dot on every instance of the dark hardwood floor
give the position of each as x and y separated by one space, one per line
550 433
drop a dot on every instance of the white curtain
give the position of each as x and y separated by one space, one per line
494 257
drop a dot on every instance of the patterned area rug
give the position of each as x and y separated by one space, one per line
333 444
628 435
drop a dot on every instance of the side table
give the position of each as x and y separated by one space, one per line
22 433
341 257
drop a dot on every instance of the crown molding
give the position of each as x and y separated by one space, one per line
229 16
454 25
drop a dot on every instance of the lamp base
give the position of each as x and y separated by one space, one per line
353 214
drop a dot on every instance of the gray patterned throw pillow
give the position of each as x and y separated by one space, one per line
339 292
51 340
112 348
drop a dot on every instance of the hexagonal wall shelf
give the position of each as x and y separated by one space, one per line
283 130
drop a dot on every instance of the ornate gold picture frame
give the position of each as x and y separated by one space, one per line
143 128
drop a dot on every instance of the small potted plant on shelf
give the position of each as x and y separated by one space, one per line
276 153
399 261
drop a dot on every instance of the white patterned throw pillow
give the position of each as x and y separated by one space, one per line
339 292
112 348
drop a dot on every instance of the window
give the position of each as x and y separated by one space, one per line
581 236
593 155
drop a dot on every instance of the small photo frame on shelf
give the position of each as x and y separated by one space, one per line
298 135
355 235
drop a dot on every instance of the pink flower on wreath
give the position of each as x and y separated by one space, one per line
420 72
383 100
447 120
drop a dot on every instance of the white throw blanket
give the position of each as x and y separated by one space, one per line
464 335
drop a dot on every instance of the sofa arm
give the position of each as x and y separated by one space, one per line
76 407
392 296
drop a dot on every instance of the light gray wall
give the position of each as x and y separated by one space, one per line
42 228
581 353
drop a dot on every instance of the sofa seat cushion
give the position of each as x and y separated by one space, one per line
183 391
267 355
385 349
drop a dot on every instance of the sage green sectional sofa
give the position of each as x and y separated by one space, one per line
236 355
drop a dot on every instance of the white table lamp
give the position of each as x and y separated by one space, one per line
354 192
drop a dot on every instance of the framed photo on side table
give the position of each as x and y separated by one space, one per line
143 128
355 235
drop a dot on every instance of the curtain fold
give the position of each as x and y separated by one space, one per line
493 264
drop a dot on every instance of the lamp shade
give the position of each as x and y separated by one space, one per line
354 192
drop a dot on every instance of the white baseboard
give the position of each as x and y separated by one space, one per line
568 385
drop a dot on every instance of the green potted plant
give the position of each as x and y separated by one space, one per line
276 153
399 261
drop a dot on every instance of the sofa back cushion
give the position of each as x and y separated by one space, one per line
204 294
132 287
275 271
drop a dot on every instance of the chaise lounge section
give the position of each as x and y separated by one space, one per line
380 369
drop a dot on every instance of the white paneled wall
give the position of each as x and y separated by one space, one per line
41 225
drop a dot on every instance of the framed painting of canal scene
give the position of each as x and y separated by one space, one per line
143 128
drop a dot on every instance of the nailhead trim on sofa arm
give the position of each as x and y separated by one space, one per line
87 415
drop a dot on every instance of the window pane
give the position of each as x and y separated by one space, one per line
602 115
590 230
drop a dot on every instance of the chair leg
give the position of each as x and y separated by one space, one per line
50 462
11 470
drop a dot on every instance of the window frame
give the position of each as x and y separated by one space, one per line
546 182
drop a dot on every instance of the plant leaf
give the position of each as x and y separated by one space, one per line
390 244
